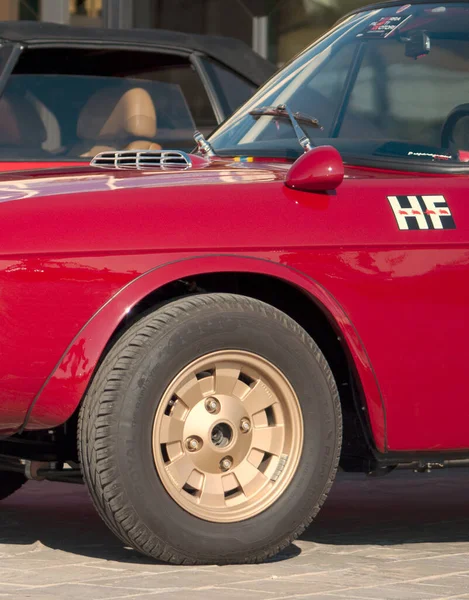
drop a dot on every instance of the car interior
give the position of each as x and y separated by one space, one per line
72 105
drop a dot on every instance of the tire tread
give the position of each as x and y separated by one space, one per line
95 442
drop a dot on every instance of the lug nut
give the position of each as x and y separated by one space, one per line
212 405
193 444
245 425
226 463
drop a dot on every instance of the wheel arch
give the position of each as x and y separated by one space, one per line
303 298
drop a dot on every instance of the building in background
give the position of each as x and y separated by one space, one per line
277 29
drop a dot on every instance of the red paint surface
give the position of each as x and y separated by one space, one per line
79 249
7 167
320 169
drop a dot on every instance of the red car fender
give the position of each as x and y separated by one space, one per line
63 390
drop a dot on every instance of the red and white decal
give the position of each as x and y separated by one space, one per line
422 212
384 27
403 8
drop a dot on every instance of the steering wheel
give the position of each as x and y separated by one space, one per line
449 126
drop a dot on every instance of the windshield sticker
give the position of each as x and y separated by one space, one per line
422 212
384 27
431 155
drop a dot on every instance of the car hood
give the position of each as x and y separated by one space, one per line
30 185
79 211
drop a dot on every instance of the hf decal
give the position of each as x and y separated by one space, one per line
422 212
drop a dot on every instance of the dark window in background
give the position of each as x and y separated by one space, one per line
293 24
217 17
80 8
29 10
86 13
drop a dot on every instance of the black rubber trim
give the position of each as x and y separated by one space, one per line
114 45
392 458
15 53
396 164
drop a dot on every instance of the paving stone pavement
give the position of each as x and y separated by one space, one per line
402 537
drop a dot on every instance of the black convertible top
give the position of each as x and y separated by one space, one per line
233 53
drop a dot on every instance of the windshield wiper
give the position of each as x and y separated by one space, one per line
282 111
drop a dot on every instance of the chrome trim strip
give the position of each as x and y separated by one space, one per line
142 159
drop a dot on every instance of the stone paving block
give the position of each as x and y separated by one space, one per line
403 537
166 579
290 568
91 592
284 586
54 574
398 592
77 592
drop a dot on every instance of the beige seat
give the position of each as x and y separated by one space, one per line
114 119
21 126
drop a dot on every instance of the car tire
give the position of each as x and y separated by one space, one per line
174 502
10 482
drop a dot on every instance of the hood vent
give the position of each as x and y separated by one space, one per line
142 159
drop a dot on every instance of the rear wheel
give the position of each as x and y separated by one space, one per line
211 432
10 483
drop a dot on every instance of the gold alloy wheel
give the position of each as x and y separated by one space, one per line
227 436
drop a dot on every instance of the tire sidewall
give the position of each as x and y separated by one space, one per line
174 346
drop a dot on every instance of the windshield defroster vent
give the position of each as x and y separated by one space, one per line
142 159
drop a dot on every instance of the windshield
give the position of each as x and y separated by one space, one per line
386 85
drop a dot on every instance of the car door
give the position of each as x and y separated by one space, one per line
401 276
418 268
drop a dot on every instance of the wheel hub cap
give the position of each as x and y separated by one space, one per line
227 436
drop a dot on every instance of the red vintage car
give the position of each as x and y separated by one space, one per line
221 330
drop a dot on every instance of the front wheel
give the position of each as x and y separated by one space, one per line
211 432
